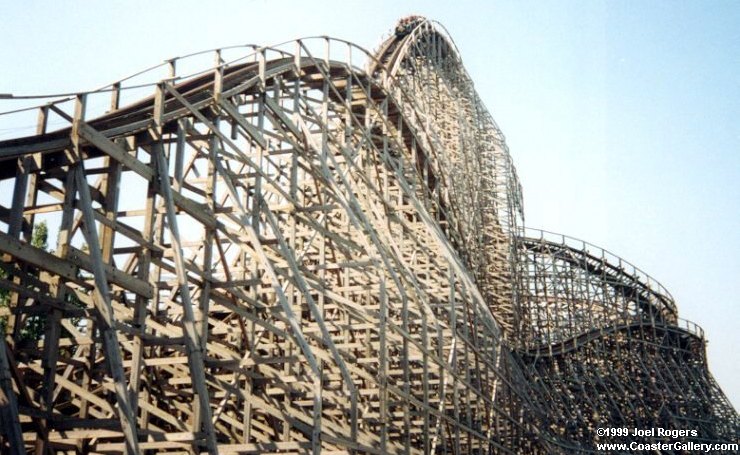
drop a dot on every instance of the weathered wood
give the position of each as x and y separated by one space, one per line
11 425
69 269
289 254
194 347
101 294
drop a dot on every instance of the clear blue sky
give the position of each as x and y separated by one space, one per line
623 118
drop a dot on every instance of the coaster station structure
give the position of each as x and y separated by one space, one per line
310 248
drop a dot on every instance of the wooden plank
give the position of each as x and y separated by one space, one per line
101 297
192 336
197 211
38 258
253 132
11 425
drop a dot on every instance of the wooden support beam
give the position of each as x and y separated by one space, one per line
101 295
9 418
289 254
195 352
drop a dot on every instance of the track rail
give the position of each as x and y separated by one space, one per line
689 329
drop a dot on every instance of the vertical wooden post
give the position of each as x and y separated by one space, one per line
101 292
115 96
10 424
195 352
141 303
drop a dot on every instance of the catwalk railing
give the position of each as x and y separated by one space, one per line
568 287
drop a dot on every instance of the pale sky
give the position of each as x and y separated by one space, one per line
623 118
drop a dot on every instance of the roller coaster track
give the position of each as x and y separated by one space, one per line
652 300
602 338
575 343
308 248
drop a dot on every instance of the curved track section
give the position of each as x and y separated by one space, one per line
640 375
568 287
289 253
601 344
483 190
248 261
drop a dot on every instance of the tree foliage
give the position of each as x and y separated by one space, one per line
33 328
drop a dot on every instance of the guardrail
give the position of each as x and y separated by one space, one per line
178 69
691 327
606 256
576 341
25 120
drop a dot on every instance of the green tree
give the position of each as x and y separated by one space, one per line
34 327
40 237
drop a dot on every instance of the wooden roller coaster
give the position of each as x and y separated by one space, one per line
314 248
